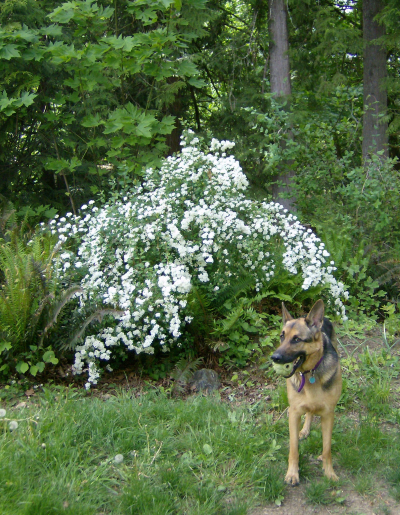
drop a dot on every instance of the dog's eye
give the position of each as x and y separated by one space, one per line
296 339
282 336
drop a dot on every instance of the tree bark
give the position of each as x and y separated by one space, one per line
282 189
375 137
279 49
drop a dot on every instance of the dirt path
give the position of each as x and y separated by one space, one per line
295 503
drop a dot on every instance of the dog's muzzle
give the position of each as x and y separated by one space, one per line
285 365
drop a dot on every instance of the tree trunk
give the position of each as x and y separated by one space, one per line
282 189
279 49
375 138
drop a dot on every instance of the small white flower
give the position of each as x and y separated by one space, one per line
2 413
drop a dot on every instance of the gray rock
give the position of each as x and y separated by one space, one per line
205 379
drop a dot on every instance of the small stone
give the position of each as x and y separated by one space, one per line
205 379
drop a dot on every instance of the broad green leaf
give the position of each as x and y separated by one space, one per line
197 83
34 370
27 98
26 34
91 120
33 53
48 357
9 51
52 30
5 346
22 367
40 366
64 13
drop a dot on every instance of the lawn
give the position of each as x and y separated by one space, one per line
145 452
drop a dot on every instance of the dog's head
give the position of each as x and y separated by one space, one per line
300 337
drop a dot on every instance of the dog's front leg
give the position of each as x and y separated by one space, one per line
292 475
327 427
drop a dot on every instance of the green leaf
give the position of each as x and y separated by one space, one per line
9 51
22 367
5 346
34 370
52 30
91 120
197 83
49 357
64 13
207 449
27 98
40 366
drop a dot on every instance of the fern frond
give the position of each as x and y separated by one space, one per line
233 317
200 306
97 316
65 298
243 284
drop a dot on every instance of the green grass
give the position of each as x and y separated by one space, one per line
201 455
194 456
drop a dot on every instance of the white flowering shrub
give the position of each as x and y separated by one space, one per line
188 226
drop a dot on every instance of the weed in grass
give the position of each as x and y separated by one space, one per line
393 477
376 396
143 496
269 482
279 399
366 448
324 492
365 484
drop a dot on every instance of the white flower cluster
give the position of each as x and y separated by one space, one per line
188 224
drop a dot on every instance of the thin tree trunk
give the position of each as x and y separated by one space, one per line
282 189
375 138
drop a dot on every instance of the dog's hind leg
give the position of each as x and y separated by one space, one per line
326 457
306 427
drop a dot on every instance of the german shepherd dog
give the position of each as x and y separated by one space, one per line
314 383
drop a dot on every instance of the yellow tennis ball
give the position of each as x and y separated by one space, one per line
283 369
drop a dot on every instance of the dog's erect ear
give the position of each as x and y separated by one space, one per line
285 314
315 317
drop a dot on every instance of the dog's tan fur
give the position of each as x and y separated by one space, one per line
307 337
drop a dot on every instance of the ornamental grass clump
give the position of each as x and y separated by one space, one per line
188 226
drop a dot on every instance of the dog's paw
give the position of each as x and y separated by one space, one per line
304 433
331 475
292 478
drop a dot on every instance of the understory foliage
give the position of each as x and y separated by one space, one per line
30 302
187 240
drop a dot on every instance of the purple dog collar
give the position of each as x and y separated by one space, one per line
312 378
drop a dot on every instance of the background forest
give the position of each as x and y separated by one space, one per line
93 94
